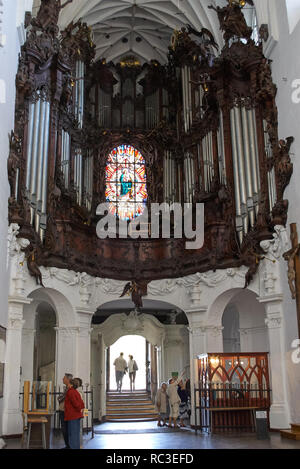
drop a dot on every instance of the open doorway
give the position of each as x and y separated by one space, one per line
130 345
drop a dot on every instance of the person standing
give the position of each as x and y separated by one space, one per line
174 400
120 368
132 369
61 399
74 407
183 406
79 388
161 402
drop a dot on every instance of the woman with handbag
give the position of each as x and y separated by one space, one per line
132 369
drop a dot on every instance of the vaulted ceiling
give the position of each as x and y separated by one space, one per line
139 27
142 28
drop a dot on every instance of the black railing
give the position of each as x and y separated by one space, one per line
222 406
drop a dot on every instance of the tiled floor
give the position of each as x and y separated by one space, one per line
142 436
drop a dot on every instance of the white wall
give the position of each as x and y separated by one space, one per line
11 37
286 69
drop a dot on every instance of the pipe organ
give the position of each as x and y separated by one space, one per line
202 124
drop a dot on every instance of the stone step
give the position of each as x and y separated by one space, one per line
119 405
127 396
148 405
135 410
295 427
132 416
290 435
130 420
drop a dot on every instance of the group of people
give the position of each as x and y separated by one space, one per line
71 411
121 367
172 402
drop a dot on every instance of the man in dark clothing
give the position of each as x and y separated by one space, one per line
61 399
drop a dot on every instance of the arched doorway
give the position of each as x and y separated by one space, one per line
243 321
45 343
130 345
163 328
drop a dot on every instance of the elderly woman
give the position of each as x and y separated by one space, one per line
74 407
162 405
183 406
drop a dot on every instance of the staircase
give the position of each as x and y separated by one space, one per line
129 407
293 433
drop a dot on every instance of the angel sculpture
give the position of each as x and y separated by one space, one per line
137 291
48 13
232 20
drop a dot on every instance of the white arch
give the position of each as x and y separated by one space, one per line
65 314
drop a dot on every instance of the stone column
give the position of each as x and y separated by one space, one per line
279 413
197 339
214 339
12 417
84 320
66 350
28 336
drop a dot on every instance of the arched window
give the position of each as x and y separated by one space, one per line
126 187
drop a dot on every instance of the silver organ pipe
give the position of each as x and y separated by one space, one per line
88 181
40 163
221 150
65 156
199 166
79 91
271 173
45 171
248 172
239 224
208 160
78 175
29 145
33 166
187 97
254 158
104 108
37 161
245 166
241 166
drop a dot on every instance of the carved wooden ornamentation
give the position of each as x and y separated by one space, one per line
90 108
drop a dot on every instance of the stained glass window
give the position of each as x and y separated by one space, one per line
126 187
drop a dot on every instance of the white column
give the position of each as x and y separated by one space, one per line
12 417
66 348
84 320
214 339
279 413
28 336
197 347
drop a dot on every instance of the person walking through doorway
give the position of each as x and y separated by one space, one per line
120 368
61 399
74 407
132 369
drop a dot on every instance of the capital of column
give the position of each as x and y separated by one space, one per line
67 331
274 321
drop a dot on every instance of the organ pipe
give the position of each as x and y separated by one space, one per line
239 225
37 161
79 92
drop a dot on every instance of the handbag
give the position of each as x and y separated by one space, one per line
135 367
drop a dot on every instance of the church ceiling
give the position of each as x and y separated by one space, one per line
139 27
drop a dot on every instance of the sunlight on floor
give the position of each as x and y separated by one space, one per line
130 345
